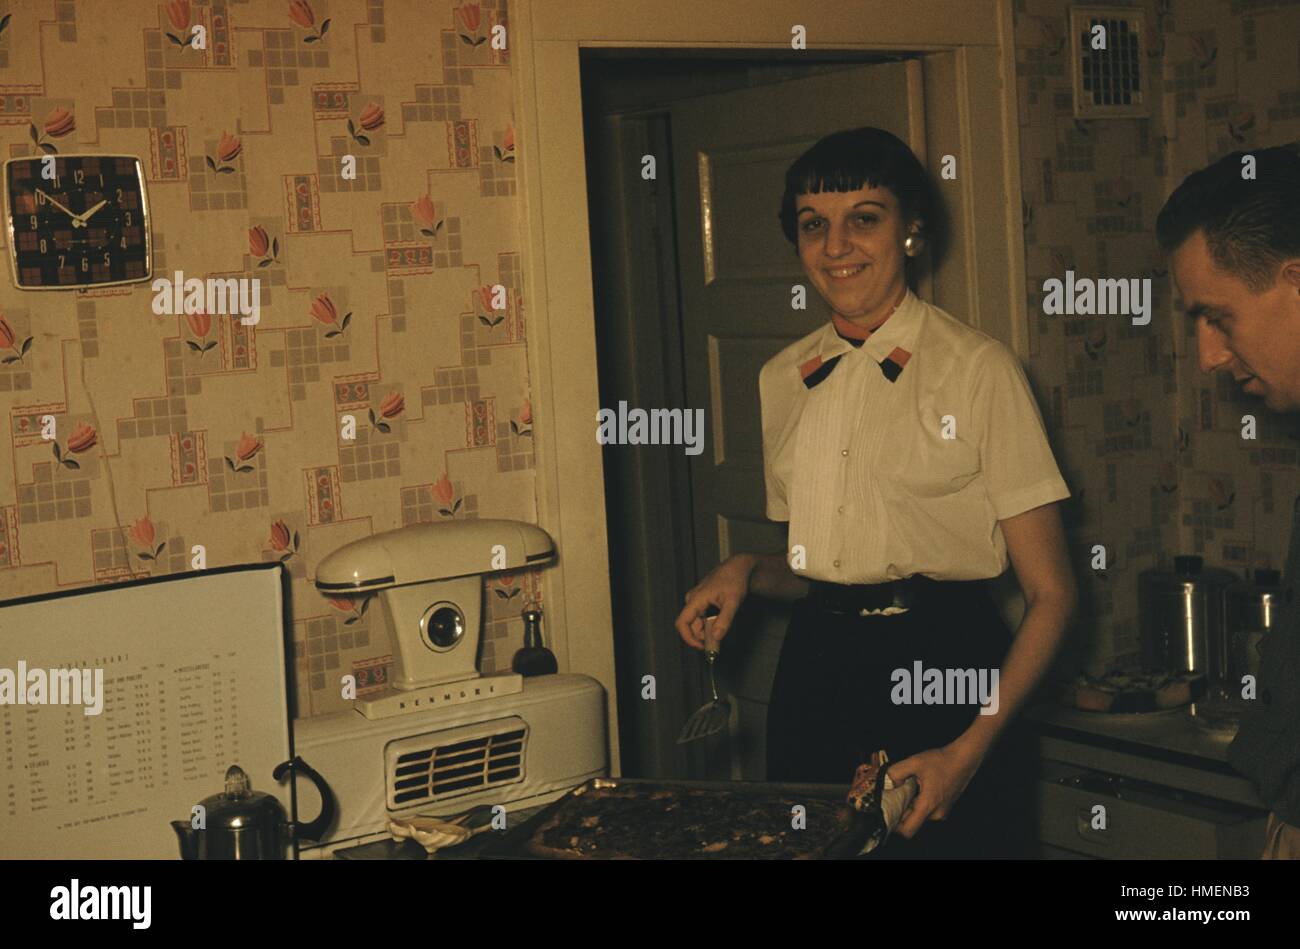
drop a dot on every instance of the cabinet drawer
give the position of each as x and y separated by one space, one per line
1143 822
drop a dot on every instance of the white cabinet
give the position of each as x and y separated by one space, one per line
1166 790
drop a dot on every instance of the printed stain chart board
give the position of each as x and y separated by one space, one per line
194 680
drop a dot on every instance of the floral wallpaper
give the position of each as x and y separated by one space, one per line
1151 448
356 158
393 294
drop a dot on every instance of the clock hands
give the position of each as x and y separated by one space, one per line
85 215
78 220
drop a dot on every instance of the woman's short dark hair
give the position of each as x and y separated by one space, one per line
859 158
1251 225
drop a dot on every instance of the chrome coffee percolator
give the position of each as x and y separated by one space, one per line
1183 614
242 824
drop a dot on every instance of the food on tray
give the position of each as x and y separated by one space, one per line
629 821
616 820
1130 690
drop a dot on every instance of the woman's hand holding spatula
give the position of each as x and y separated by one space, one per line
703 622
712 603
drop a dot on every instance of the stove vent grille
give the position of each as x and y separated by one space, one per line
456 762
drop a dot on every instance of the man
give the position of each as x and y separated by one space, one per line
1233 230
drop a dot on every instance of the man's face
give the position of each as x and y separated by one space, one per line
851 247
1254 336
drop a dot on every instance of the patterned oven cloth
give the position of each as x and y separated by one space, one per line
875 794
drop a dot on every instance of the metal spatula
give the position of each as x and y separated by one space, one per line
710 718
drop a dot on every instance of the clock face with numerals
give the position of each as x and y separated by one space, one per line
77 221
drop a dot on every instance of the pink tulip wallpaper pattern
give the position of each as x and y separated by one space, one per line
376 302
1150 446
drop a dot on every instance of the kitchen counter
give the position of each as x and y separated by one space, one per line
1163 747
1170 732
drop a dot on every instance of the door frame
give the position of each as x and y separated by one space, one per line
971 114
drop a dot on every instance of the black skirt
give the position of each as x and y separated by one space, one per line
831 707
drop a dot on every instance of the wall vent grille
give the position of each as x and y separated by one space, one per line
1109 83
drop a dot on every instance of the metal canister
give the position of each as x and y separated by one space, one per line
1184 617
1254 608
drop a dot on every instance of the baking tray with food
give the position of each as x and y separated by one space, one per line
643 818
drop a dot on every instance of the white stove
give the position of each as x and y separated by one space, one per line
444 738
519 751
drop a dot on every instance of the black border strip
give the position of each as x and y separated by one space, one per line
368 586
171 577
356 586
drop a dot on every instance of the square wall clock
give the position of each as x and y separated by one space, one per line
77 221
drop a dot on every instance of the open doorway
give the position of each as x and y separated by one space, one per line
685 153
970 112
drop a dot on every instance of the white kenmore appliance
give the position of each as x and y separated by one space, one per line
444 738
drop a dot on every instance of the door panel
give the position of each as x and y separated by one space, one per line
733 184
734 362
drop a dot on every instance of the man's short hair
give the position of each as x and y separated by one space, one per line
1251 225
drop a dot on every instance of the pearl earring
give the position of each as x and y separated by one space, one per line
912 245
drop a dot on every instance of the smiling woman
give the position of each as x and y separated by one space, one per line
859 231
907 453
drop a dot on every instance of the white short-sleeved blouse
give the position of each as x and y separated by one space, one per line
900 456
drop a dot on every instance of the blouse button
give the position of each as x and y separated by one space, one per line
844 452
837 563
841 508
